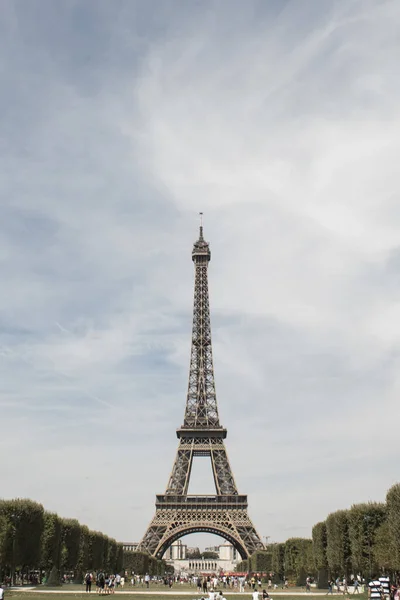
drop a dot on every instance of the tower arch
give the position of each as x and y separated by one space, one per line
201 529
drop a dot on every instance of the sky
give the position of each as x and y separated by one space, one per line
280 120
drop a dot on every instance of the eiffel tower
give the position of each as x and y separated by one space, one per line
177 513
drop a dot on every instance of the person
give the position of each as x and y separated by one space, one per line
88 582
356 587
204 583
308 586
255 594
122 582
375 590
147 580
330 587
385 585
1 591
241 584
345 588
265 595
100 582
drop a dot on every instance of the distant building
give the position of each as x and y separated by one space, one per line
176 556
132 546
177 551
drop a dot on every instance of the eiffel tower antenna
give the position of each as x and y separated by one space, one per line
201 434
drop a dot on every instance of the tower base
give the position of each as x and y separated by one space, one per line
177 516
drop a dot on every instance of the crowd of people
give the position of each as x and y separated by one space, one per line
105 583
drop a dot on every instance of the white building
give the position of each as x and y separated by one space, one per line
176 556
130 545
177 551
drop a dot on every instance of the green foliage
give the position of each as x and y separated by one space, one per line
261 561
111 561
97 550
299 561
3 538
209 554
243 566
84 558
51 542
141 563
70 544
32 538
363 521
393 519
278 561
54 578
382 552
194 553
119 559
338 543
135 561
319 539
22 532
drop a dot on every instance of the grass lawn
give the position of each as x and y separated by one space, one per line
155 593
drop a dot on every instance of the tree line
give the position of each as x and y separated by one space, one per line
35 540
32 539
363 540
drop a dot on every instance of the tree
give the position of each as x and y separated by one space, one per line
381 548
195 553
299 560
338 545
54 578
112 556
278 561
97 549
84 557
70 544
51 543
319 538
208 554
23 526
135 561
243 566
393 519
120 558
261 561
363 521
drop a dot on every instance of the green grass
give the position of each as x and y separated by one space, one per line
77 591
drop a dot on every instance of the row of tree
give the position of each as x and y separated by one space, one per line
292 559
363 540
142 563
34 539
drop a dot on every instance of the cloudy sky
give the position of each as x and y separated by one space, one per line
121 120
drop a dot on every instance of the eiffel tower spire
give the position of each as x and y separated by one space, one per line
201 434
201 406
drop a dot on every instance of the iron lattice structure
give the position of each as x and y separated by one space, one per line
201 434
